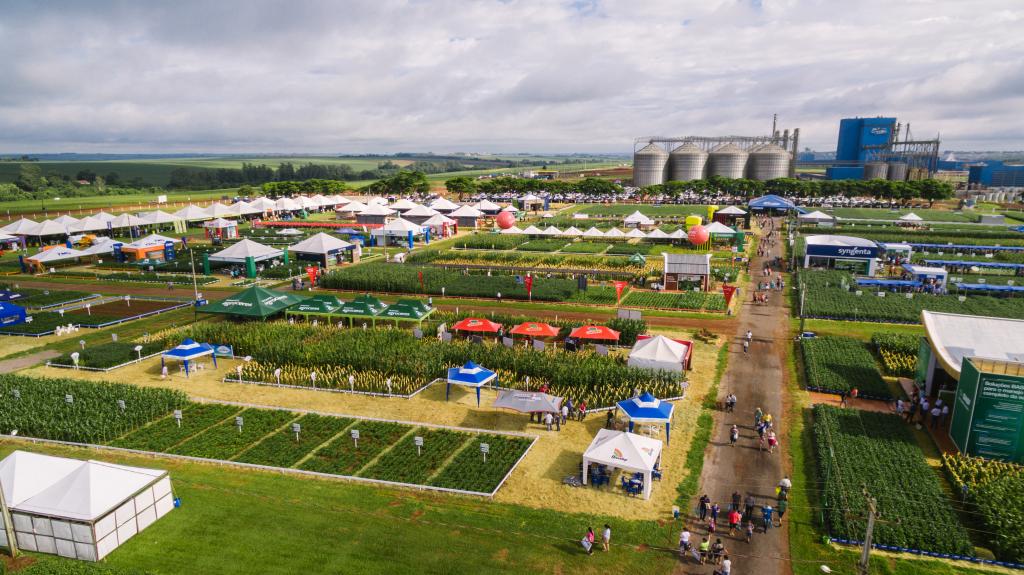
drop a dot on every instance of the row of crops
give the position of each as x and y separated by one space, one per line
106 355
832 295
835 364
859 450
39 407
519 259
37 298
683 300
897 351
995 493
373 356
325 444
70 410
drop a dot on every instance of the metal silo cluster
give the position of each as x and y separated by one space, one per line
727 161
876 171
687 162
768 162
649 165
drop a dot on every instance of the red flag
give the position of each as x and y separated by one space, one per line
528 282
420 273
311 272
728 291
619 287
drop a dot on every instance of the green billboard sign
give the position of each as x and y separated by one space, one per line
988 414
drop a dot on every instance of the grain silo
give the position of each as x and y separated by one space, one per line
649 165
898 171
727 161
768 162
687 162
876 170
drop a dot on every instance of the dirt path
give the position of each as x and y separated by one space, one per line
757 379
12 365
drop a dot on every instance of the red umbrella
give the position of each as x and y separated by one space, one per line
595 332
535 329
477 324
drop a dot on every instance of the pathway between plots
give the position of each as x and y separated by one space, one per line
757 379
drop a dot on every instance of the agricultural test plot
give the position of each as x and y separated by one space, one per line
837 364
96 315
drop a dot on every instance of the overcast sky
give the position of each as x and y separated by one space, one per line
518 75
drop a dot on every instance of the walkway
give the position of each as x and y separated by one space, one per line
757 379
12 365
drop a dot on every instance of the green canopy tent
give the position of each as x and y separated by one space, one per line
318 305
372 302
253 302
361 309
407 310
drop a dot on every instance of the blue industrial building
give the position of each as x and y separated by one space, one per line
997 174
844 172
855 134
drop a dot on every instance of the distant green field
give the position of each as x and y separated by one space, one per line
885 214
615 210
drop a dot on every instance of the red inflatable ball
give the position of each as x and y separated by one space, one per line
698 235
506 220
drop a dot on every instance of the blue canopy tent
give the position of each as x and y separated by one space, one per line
648 409
990 288
189 351
471 375
11 314
967 247
8 295
973 263
773 202
887 283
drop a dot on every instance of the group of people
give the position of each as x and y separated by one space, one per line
764 425
589 539
567 412
920 409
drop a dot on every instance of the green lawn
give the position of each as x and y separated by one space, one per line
234 521
132 202
930 215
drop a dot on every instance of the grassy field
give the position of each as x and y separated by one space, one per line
884 214
234 521
136 202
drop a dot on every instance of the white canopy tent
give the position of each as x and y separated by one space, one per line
376 209
638 219
398 227
320 244
533 231
626 451
466 212
679 234
246 248
151 240
817 216
636 233
572 232
59 253
220 224
512 230
657 234
658 353
352 207
614 233
263 204
48 228
551 231
103 216
955 336
88 224
287 205
79 509
593 232
421 211
66 220
510 208
128 221
159 217
19 227
487 206
403 205
191 213
443 205
219 210
102 246
911 217
731 211
437 220
719 229
307 203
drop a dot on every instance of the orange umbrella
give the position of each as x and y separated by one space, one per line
599 332
535 329
476 324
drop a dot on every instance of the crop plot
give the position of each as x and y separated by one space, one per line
282 449
225 440
404 464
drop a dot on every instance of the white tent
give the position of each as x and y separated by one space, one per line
815 216
510 208
263 204
614 233
626 451
421 211
79 509
159 217
19 227
242 209
150 241
638 219
911 217
287 205
354 207
658 353
533 231
443 205
377 200
376 209
307 203
245 249
218 210
403 205
88 224
512 230
718 228
572 232
338 199
101 246
66 220
955 336
191 213
320 244
593 233
438 220
103 216
220 224
48 228
466 212
402 227
56 254
320 200
679 234
486 205
657 234
635 233
731 211
551 231
128 221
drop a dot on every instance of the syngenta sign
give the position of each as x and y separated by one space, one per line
879 131
855 252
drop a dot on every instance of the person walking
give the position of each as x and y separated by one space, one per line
715 509
773 442
717 550
565 413
583 410
548 420
606 537
704 506
748 506
781 509
785 484
943 415
734 521
734 435
735 505
726 566
684 542
588 541
758 414
936 413
911 411
746 346
705 550
750 529
766 516
842 397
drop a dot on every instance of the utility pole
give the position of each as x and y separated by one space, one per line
865 554
5 516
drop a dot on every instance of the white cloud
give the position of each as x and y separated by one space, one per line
518 75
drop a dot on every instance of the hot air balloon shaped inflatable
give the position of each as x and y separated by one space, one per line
506 220
698 235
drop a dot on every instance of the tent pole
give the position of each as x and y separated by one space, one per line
5 514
